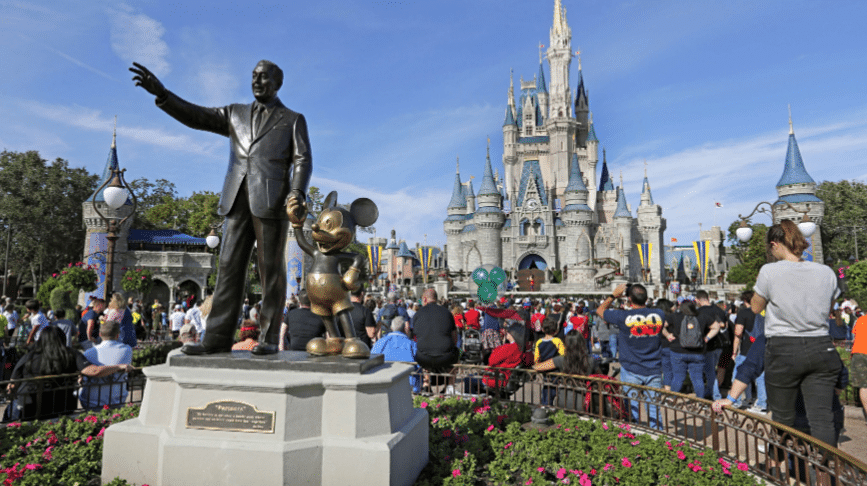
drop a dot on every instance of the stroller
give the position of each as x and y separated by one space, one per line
471 347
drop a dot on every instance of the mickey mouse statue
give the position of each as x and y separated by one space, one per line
327 288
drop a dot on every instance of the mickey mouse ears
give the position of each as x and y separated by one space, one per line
364 211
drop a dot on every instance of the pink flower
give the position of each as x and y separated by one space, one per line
593 472
541 469
529 482
435 420
508 445
681 455
490 427
727 472
423 405
88 439
605 426
742 466
456 473
561 473
724 463
32 467
636 442
626 462
584 481
607 467
473 400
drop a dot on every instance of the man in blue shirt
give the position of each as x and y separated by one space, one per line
638 344
110 390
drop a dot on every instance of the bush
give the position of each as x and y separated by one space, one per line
153 355
66 452
483 441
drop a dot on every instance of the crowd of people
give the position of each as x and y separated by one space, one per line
770 349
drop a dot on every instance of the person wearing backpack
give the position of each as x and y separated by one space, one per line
688 339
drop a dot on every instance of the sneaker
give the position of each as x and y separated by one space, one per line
757 410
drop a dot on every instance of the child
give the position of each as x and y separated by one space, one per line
545 349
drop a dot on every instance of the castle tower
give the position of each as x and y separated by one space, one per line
797 188
489 217
651 226
606 197
453 225
623 221
470 195
560 124
592 160
542 88
577 217
510 139
95 243
391 250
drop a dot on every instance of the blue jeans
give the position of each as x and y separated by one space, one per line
612 345
711 386
667 374
683 362
646 380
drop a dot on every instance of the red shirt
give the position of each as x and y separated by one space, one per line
472 318
459 321
506 356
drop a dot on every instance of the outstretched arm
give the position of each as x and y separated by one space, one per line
297 211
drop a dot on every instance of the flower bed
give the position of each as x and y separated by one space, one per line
472 441
480 441
65 452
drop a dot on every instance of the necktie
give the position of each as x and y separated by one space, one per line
258 115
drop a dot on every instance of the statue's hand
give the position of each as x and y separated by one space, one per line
297 211
146 79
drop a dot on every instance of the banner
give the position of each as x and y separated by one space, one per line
674 287
644 252
374 256
425 256
701 256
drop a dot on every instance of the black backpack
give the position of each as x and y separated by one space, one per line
388 313
690 336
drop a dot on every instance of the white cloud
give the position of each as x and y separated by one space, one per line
137 37
412 215
79 63
740 173
93 120
216 81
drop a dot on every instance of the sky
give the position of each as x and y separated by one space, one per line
394 91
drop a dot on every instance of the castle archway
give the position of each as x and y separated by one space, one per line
532 261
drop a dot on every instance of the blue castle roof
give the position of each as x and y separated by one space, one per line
794 171
110 164
489 187
531 170
459 201
576 207
163 237
591 135
404 251
539 139
468 228
605 183
468 189
622 211
576 181
540 82
510 120
646 188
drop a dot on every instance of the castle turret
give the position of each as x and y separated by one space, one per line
623 220
606 196
470 195
798 189
454 223
592 145
577 217
489 217
651 226
542 88
582 109
96 245
510 138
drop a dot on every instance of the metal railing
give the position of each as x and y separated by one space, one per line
48 397
774 452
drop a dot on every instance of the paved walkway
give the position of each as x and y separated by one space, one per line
853 440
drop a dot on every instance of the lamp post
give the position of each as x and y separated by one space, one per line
213 239
744 232
116 191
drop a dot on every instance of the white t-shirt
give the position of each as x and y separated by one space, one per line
11 319
799 296
177 319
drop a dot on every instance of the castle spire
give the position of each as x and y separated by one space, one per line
646 196
794 171
489 187
110 164
605 183
458 200
576 181
510 103
622 210
114 135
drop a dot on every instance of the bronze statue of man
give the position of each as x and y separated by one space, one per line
269 161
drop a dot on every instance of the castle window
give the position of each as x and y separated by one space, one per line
539 227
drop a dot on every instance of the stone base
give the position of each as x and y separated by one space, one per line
335 427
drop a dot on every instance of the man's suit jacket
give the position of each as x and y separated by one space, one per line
272 162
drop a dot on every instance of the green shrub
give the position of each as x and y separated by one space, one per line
153 355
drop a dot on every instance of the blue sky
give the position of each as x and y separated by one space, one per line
393 91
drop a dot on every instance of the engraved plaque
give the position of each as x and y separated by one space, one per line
230 416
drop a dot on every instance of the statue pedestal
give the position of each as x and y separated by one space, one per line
284 419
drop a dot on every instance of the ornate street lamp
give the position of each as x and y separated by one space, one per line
115 195
744 232
213 240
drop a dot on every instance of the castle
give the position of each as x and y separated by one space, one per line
546 211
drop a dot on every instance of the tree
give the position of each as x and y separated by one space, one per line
845 218
149 194
314 201
856 279
42 202
752 254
